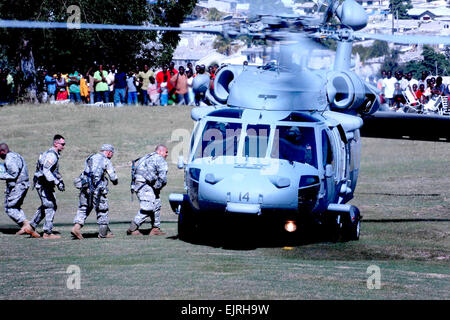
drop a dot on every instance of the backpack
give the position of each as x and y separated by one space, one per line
38 171
134 165
83 181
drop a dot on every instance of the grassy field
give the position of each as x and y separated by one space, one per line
403 195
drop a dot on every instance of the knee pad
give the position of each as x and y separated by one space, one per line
133 226
103 230
147 206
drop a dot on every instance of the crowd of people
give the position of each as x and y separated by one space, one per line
169 85
402 90
115 84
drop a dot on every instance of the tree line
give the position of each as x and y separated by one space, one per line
67 47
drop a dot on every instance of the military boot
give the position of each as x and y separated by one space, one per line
76 231
157 232
28 229
25 225
134 233
133 230
51 236
104 232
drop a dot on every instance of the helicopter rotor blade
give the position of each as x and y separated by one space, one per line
97 26
296 48
404 39
394 125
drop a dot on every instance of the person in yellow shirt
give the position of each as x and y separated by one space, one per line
66 78
144 79
84 90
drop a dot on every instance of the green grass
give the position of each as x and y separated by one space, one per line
402 194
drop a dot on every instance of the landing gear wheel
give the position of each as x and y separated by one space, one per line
334 226
352 227
186 225
338 227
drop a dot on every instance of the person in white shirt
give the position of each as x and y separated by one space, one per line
110 81
389 87
411 80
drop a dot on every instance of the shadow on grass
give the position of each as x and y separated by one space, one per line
404 220
246 239
13 230
9 230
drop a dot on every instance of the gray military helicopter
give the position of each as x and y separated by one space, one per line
281 143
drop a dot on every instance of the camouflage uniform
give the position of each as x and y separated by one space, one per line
151 177
47 176
95 167
17 184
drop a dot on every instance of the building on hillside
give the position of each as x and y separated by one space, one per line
373 3
442 14
226 6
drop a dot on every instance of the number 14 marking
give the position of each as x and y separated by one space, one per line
245 197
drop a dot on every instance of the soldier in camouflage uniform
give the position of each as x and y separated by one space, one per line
45 179
150 178
17 184
93 191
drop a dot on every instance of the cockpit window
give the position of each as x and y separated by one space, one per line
256 141
219 139
295 143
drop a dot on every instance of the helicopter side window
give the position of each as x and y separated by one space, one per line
295 143
219 139
256 141
194 135
327 153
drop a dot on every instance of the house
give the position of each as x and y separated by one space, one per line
227 6
374 3
430 13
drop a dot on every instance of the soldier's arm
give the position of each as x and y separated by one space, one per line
111 173
150 176
12 170
162 172
49 161
148 171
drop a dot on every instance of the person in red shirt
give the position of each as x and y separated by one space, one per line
212 75
160 77
420 93
172 68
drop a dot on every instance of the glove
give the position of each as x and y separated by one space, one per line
115 182
61 187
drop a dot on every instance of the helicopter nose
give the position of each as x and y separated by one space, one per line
246 192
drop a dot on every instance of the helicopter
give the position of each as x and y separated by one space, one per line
280 143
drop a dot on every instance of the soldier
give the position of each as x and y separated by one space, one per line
93 191
17 184
45 179
150 177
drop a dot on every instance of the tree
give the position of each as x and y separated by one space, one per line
63 48
433 63
377 49
268 7
400 8
391 62
168 13
225 46
214 15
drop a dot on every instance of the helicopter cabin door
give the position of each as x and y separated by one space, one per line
333 163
